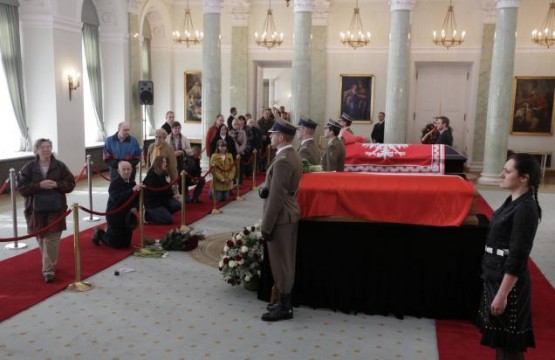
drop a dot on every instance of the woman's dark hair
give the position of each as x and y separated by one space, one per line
157 165
526 164
220 129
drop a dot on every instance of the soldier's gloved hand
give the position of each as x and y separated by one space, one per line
267 236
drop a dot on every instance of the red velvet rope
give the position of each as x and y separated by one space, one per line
5 186
95 169
116 210
78 177
40 231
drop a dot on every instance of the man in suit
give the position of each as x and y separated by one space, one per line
280 217
308 149
120 225
232 116
445 136
378 130
170 118
333 158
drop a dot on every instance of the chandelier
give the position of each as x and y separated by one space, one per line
449 36
269 37
545 36
355 37
188 36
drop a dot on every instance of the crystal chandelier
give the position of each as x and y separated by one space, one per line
545 36
355 37
188 36
269 37
449 36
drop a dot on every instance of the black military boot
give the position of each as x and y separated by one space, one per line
283 311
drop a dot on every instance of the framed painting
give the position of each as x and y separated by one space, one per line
357 97
532 110
193 96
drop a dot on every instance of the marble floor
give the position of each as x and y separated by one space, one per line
179 308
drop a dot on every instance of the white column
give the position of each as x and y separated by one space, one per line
211 65
300 86
239 56
500 91
397 90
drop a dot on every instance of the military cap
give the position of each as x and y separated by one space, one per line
307 123
346 117
333 124
283 127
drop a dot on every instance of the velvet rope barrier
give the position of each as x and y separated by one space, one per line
100 173
80 176
40 231
5 186
113 212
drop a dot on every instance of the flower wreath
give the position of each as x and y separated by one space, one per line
242 255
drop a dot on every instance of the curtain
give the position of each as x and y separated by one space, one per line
92 58
147 75
10 47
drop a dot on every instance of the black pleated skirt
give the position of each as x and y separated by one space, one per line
513 329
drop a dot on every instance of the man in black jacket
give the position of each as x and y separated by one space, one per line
120 225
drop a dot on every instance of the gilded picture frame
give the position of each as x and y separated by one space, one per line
357 97
532 110
192 96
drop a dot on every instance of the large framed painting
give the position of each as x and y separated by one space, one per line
357 97
533 105
193 96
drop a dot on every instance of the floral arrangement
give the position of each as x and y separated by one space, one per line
242 256
178 239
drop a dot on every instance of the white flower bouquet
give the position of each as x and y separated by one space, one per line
242 256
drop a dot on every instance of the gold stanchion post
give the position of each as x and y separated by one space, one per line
141 218
215 210
78 285
237 177
254 155
184 227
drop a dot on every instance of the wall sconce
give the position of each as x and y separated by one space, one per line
72 82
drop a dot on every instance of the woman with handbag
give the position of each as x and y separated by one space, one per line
43 182
505 314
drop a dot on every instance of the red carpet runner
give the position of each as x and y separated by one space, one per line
22 285
459 340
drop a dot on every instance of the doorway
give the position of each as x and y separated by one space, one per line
443 89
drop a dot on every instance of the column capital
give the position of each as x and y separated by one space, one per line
303 6
240 13
212 6
321 13
508 4
402 4
489 11
134 6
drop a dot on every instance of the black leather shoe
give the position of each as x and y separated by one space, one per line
49 278
278 313
271 307
96 236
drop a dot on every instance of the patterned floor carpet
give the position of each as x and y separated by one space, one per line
209 250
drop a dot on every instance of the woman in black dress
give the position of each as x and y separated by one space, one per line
505 316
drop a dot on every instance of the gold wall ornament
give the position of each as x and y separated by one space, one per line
545 35
449 36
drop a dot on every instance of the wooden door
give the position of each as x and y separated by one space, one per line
442 89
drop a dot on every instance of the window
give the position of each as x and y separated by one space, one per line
10 136
92 134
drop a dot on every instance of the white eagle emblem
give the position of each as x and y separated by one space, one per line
385 150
